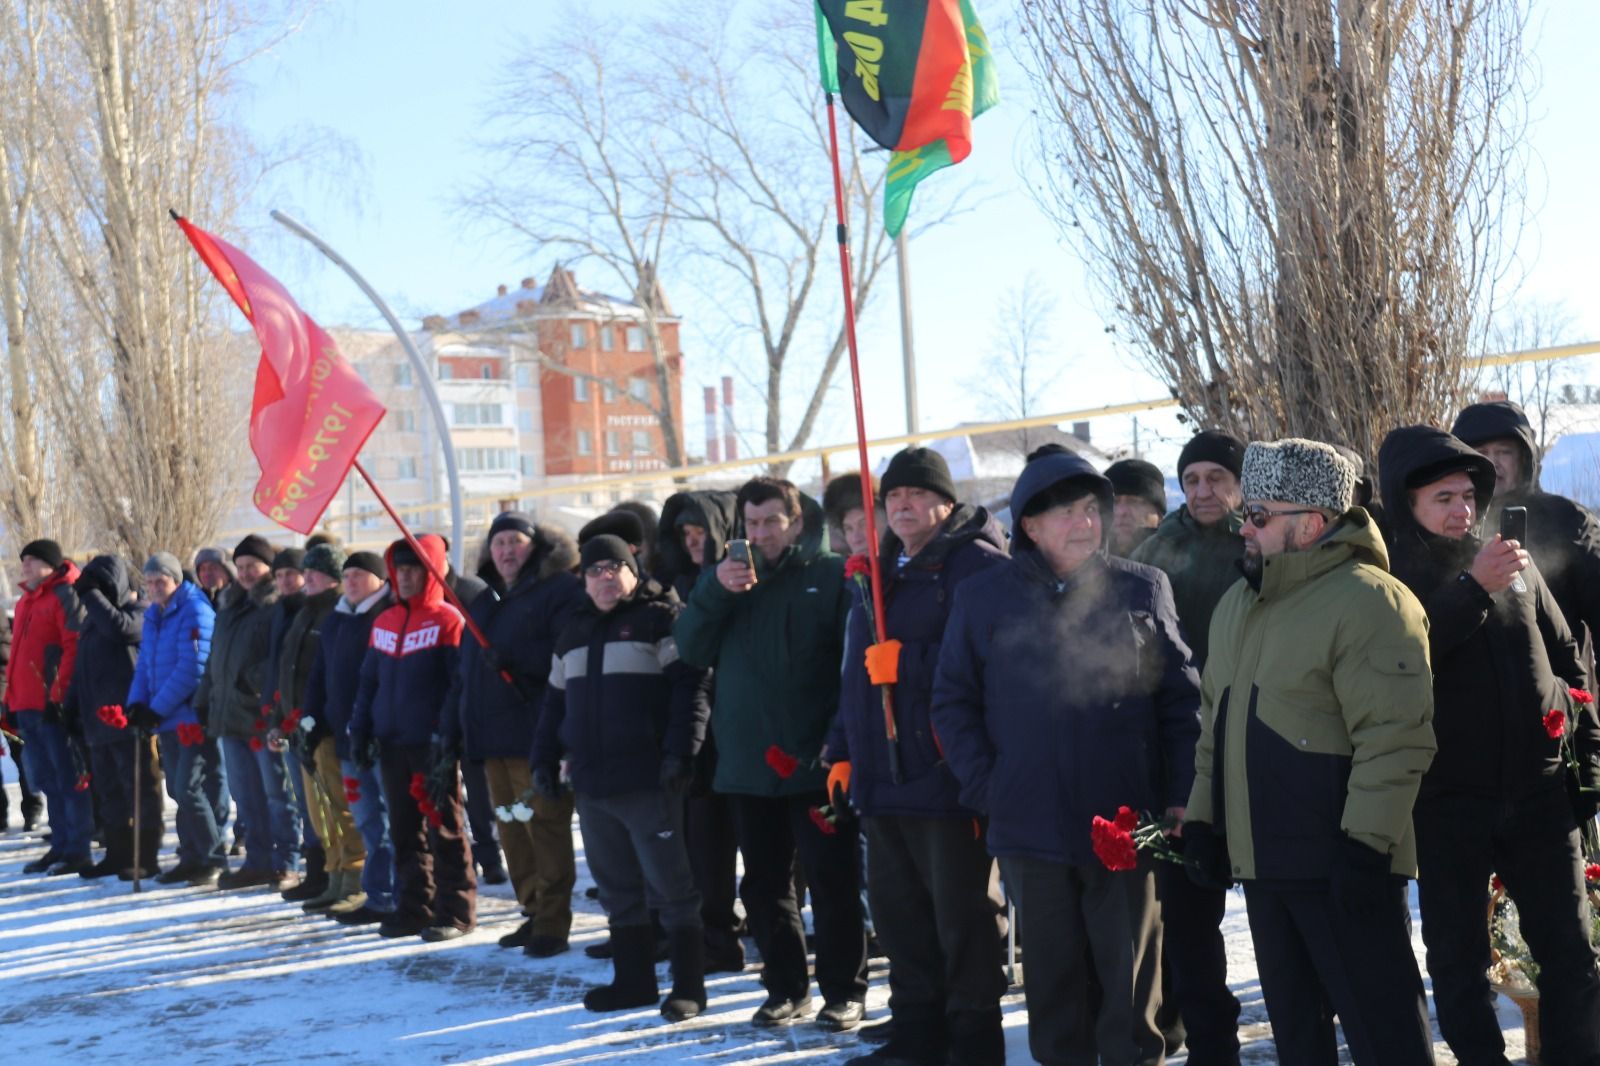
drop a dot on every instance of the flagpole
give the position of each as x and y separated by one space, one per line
907 351
868 495
458 524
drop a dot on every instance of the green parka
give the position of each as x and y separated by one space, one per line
776 650
1316 710
1201 562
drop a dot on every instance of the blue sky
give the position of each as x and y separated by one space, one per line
404 85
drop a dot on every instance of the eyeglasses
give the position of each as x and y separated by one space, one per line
1259 516
598 570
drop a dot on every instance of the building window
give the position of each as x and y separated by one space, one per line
405 420
639 389
585 443
641 442
525 420
486 372
636 339
608 339
580 390
613 442
527 465
609 391
478 414
402 375
580 335
405 467
446 372
485 460
524 374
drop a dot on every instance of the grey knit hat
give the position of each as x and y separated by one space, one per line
1304 472
165 563
216 555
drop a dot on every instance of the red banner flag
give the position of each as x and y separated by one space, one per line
312 412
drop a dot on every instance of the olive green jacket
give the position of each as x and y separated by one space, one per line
1201 562
1316 710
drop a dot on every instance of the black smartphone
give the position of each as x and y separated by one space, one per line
739 551
1514 525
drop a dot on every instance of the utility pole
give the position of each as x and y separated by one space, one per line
1137 454
907 351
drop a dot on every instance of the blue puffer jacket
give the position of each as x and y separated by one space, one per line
108 623
410 661
330 695
177 641
917 603
1060 699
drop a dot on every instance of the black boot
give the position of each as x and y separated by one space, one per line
633 982
724 953
315 882
976 1038
149 851
688 996
119 854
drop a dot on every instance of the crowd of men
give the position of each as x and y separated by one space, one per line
1306 684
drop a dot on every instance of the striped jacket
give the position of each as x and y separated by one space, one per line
619 698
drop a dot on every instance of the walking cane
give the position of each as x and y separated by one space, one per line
1011 940
138 841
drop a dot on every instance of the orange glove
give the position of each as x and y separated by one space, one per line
839 778
883 662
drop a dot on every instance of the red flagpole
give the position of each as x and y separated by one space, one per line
868 496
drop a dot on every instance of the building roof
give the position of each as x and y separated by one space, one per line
559 295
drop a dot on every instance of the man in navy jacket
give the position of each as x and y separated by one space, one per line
1064 692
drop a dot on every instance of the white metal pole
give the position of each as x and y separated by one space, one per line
907 351
458 525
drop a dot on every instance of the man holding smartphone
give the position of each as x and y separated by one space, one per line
1494 800
770 619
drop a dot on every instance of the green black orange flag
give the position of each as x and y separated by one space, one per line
913 74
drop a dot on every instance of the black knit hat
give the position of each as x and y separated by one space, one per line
371 562
919 468
1212 446
606 548
1135 477
46 551
288 559
515 521
401 554
624 525
257 547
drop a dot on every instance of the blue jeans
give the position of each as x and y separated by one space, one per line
259 781
372 820
200 840
50 770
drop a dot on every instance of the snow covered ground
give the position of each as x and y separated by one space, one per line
91 972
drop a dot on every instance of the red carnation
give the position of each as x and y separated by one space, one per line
1555 723
352 782
82 784
1592 872
419 787
822 822
1127 819
783 764
261 725
857 566
1496 884
1580 697
291 720
256 744
1113 845
435 819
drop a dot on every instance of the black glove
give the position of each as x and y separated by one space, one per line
1361 885
1206 857
547 782
142 718
363 749
677 774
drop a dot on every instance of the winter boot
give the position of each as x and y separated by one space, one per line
119 854
315 881
688 996
633 982
724 953
976 1038
335 891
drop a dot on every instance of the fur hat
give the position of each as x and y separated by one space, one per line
1304 472
325 558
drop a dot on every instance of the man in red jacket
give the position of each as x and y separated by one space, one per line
42 653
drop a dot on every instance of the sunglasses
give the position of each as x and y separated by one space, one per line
1259 516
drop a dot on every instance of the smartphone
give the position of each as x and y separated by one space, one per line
1514 525
739 552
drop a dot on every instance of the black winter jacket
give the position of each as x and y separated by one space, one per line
712 510
492 718
1500 662
619 698
298 653
235 686
330 694
109 624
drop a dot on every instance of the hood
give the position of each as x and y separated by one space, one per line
965 524
1353 534
1416 455
109 575
1501 420
554 552
712 509
432 591
811 535
1052 469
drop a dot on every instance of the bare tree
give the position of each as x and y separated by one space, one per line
1535 386
1020 367
1296 211
147 387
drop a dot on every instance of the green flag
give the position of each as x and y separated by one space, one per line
827 55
